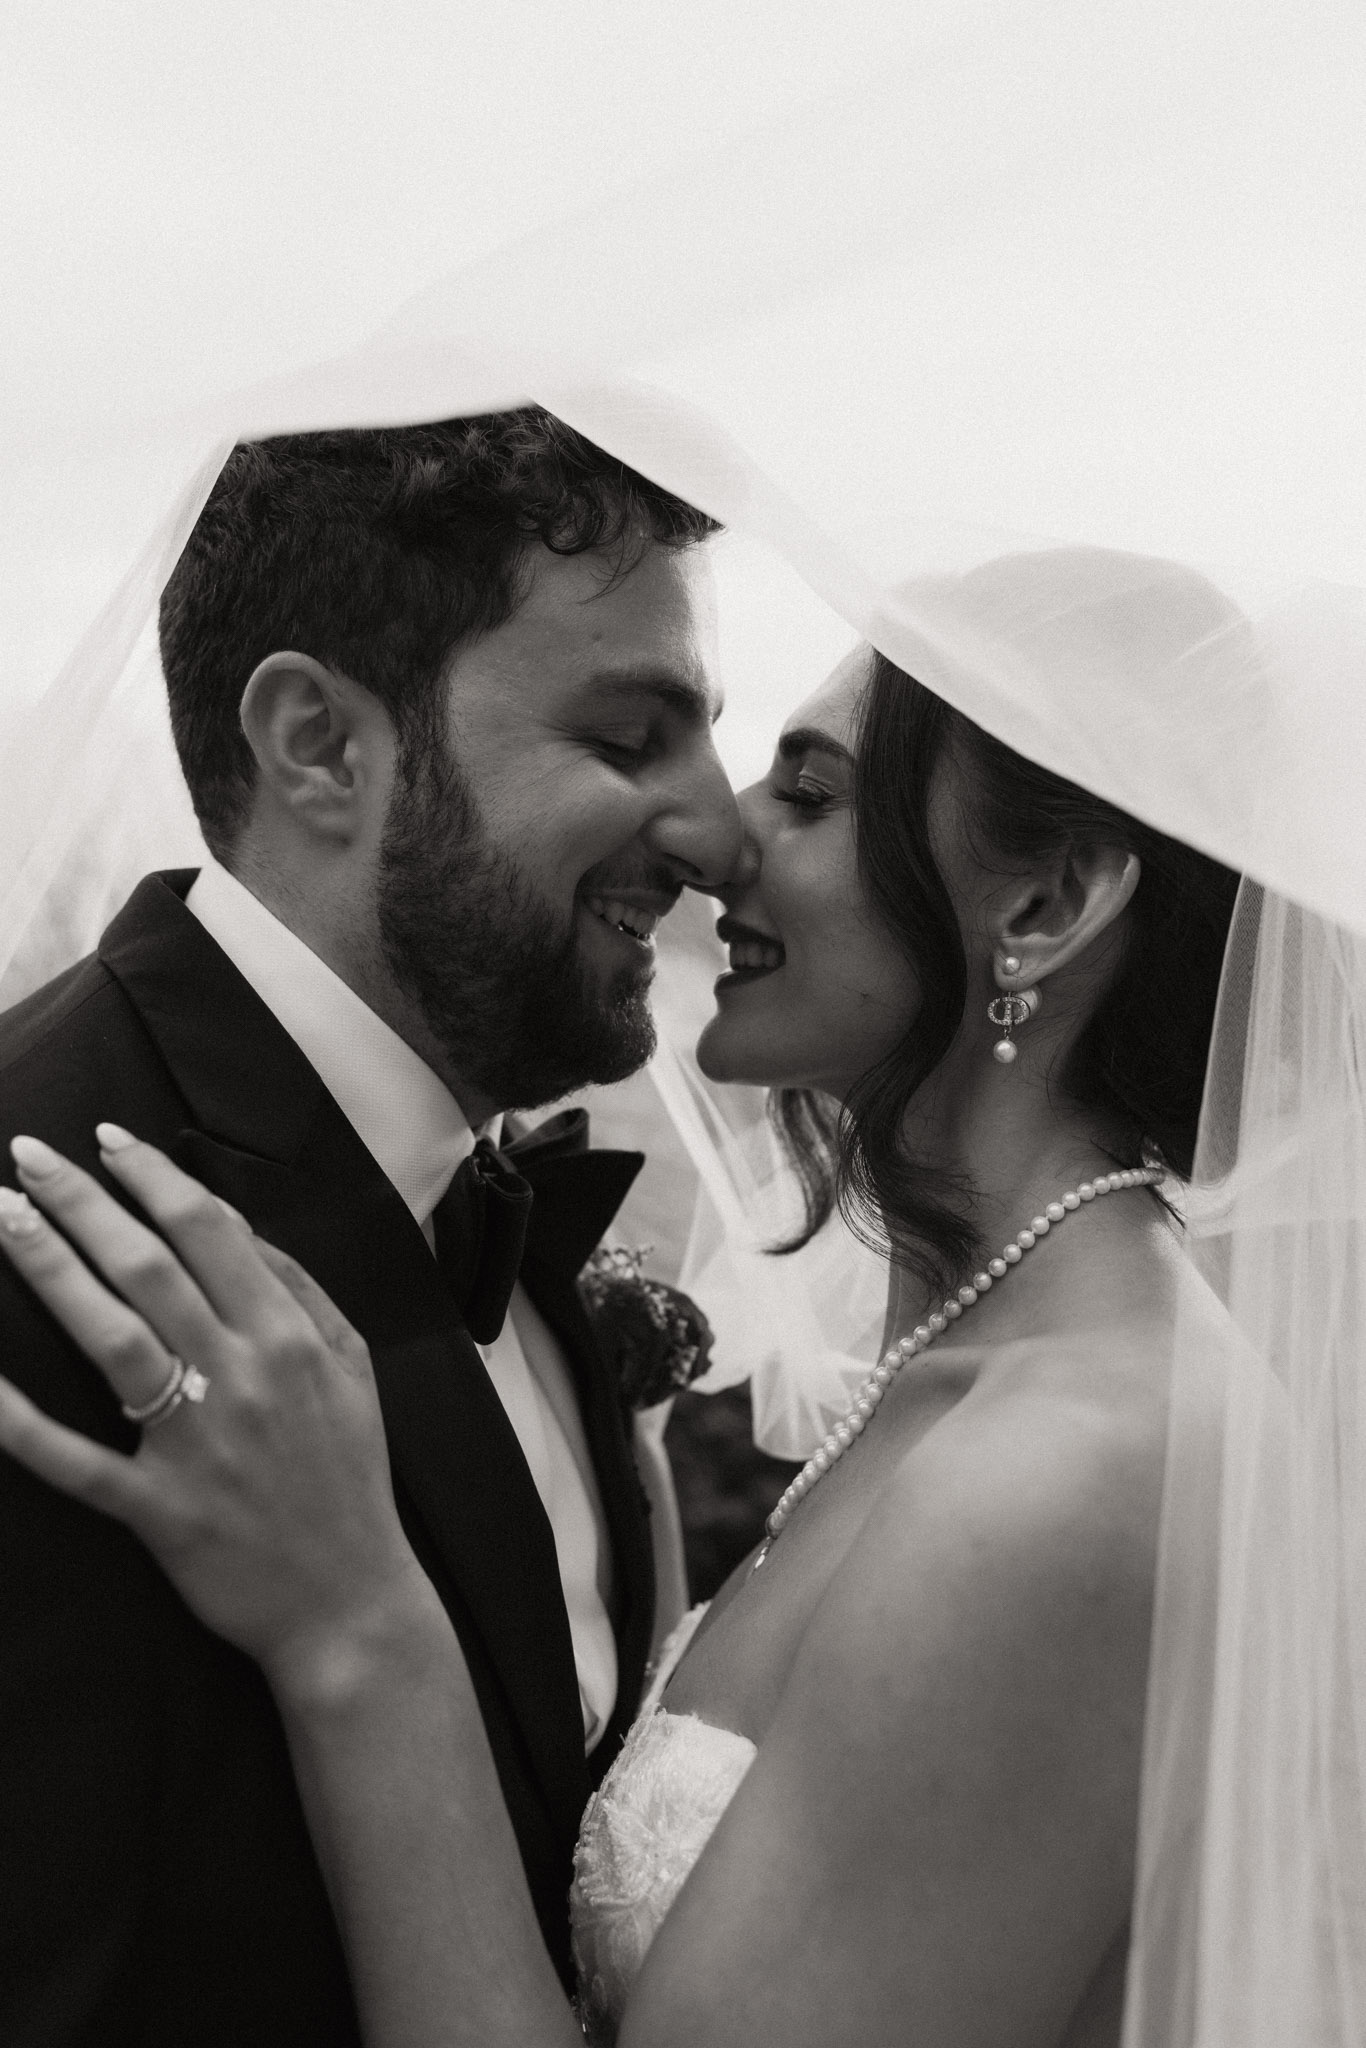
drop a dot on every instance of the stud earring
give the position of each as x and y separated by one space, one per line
1009 1012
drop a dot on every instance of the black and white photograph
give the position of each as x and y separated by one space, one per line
683 1024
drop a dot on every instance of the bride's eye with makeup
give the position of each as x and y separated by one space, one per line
806 790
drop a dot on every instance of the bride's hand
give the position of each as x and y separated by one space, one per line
268 1502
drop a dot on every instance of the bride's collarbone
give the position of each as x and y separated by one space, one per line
736 1669
737 1665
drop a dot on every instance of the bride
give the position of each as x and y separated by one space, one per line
888 1784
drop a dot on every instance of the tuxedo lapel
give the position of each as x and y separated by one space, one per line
454 1452
271 1140
576 1196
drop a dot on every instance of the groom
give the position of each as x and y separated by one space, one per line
443 699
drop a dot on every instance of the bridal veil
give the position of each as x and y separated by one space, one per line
1033 353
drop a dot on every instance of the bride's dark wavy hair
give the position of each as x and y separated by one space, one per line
1139 1061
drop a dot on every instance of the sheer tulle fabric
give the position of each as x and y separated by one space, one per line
1252 1873
1249 1911
1226 708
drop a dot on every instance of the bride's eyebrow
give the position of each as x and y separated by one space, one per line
809 739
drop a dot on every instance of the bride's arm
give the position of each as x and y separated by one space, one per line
270 1506
414 1841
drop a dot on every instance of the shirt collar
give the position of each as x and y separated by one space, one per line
403 1113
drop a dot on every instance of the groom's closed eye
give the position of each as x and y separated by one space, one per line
632 722
646 694
629 748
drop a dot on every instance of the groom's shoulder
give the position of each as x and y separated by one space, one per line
68 1044
84 1019
77 1004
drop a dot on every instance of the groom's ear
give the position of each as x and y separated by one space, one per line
322 745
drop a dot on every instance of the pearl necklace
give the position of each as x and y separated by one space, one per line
875 1386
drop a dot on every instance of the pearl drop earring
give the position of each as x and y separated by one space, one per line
1010 1011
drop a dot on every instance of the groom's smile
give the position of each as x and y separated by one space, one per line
635 916
479 800
580 793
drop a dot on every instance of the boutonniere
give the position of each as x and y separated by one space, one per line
657 1338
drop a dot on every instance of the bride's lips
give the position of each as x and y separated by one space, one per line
753 954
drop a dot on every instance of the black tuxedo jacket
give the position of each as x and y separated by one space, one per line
157 1884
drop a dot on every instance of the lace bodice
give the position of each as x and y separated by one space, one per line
643 1831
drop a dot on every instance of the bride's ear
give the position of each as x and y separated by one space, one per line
317 738
1057 912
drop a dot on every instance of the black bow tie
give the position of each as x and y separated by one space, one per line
483 1222
479 1227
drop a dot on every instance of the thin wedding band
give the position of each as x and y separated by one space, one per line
186 1383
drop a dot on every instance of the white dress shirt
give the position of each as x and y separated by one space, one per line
415 1130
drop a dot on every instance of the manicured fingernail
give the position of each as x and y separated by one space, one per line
114 1138
18 1217
34 1158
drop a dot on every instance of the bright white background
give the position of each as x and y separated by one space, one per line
199 195
1105 263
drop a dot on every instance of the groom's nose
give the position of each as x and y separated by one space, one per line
742 873
699 831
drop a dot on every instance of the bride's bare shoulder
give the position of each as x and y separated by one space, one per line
1030 1513
1054 1457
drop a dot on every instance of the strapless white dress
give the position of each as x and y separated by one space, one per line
643 1830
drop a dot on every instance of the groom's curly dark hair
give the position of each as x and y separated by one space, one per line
379 552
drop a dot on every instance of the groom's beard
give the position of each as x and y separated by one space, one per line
494 968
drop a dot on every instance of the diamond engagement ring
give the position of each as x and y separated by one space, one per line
186 1383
